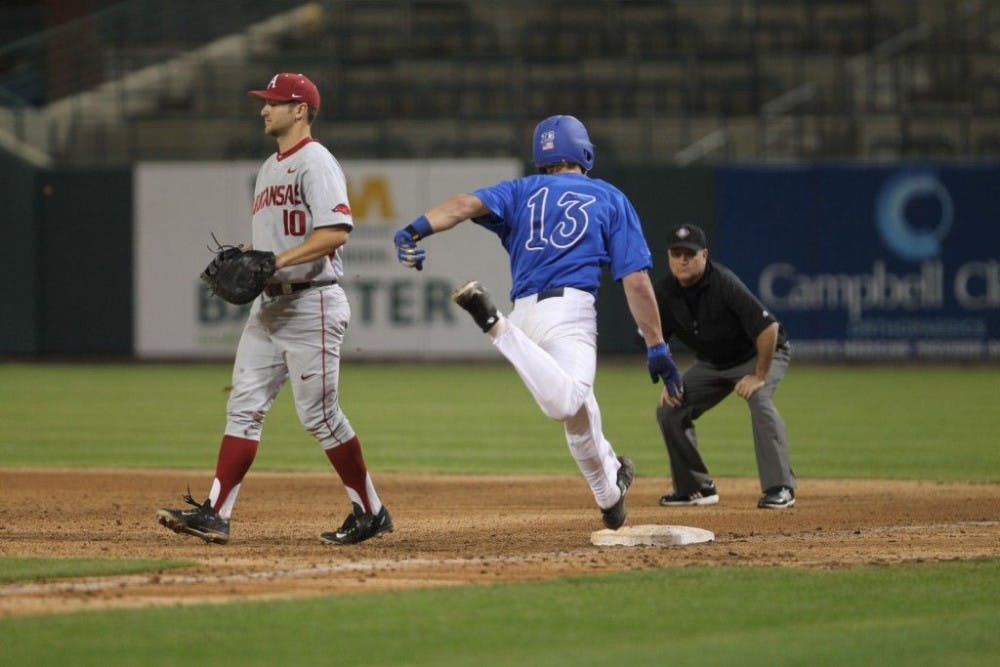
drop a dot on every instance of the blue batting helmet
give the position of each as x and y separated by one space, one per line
562 139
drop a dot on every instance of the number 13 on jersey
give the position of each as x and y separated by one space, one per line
570 225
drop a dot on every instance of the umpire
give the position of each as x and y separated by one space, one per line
739 346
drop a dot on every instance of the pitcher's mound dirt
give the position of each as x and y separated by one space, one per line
452 530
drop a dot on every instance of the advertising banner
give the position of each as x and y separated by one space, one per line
886 262
396 312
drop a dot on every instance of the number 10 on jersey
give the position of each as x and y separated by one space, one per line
294 221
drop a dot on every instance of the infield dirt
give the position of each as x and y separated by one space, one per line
452 530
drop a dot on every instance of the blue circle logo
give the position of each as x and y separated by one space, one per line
914 212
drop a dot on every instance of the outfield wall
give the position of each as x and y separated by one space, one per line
867 262
67 259
18 255
396 312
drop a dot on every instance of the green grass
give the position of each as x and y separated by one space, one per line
906 615
29 569
873 422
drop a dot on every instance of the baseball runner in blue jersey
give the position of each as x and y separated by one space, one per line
560 228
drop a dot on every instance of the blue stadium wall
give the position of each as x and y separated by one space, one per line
869 262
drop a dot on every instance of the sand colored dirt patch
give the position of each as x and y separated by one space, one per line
452 530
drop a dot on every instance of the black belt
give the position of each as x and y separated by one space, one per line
549 293
280 289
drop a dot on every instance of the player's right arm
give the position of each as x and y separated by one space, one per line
440 218
454 210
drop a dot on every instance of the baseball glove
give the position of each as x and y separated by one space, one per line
238 276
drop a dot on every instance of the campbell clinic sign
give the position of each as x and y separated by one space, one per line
784 287
869 262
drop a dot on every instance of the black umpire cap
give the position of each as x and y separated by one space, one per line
687 236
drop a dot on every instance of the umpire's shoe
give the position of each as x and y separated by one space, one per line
474 298
359 526
707 495
777 498
203 521
614 517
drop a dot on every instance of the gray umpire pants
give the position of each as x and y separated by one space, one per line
704 388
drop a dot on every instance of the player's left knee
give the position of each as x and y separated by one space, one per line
245 423
331 430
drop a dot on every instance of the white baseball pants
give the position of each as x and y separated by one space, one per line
295 338
552 343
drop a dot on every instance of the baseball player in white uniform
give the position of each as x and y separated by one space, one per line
296 327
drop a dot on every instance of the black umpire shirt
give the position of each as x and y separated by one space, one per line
717 317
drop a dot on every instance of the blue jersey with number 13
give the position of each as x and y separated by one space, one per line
561 229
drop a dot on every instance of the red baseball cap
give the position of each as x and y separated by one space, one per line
287 87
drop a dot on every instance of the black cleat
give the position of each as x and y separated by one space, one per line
474 298
203 522
614 517
777 498
359 526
